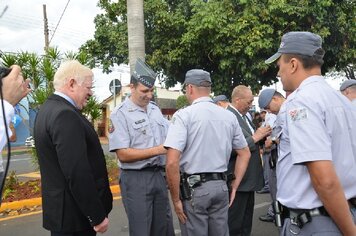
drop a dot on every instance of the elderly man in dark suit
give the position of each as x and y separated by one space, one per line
241 210
75 189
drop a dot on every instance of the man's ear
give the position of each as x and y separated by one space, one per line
294 64
71 83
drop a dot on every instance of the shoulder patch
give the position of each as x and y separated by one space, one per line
111 127
298 114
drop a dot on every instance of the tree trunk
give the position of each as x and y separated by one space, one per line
136 31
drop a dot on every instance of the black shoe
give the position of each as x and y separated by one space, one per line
262 191
266 218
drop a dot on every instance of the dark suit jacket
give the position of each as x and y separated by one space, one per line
253 178
75 186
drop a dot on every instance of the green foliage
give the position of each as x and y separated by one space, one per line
40 70
229 38
182 101
92 110
111 162
34 159
10 184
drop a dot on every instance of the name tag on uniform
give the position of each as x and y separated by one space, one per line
140 121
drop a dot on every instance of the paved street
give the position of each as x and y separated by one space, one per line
32 225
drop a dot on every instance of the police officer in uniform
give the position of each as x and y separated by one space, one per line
199 141
348 88
221 100
271 100
316 168
138 130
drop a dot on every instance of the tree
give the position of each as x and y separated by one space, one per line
136 31
40 70
182 101
229 38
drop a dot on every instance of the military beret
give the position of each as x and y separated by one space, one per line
265 97
347 84
220 98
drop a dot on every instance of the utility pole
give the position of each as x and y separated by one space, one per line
45 28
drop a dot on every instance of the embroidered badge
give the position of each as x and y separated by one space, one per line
298 114
111 127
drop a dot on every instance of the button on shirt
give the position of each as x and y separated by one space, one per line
318 124
133 127
205 134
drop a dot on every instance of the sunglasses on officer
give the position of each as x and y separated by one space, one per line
184 89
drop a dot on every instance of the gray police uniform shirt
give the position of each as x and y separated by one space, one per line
319 124
133 127
205 134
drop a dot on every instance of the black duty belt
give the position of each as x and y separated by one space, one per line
148 168
205 177
198 178
300 217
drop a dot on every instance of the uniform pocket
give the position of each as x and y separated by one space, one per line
141 133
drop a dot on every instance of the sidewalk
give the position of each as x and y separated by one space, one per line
28 203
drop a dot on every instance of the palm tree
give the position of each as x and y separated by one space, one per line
40 70
136 31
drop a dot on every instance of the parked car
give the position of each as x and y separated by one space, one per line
30 142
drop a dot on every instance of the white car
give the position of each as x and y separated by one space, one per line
30 142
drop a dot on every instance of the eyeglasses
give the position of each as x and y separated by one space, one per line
184 89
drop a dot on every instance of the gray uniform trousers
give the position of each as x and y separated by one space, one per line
320 226
266 169
207 212
145 198
272 187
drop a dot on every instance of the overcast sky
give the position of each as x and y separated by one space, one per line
22 29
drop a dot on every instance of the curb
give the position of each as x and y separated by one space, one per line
16 205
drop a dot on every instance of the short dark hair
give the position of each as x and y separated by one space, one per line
308 61
134 81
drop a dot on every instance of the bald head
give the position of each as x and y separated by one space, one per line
241 91
242 98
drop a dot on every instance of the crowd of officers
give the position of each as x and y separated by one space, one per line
210 155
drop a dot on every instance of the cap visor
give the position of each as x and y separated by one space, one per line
273 58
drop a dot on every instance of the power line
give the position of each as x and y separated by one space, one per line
4 10
65 8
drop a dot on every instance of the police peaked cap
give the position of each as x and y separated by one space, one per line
144 74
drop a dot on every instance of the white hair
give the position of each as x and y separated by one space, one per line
71 69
